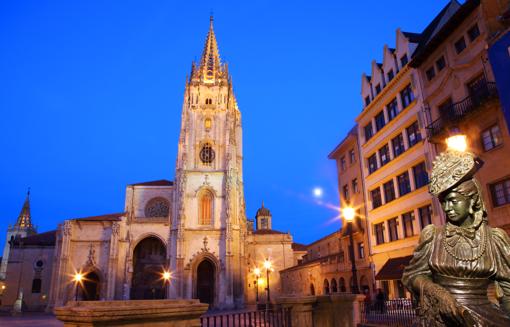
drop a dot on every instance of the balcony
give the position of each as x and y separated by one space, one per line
480 94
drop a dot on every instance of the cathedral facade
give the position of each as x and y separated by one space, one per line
195 227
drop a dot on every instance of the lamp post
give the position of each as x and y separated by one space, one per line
78 277
167 275
256 271
267 265
349 214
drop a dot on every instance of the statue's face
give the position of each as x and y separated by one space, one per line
456 206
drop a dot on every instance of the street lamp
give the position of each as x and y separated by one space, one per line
77 278
349 214
256 272
267 265
457 142
167 275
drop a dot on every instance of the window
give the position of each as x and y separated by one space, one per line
367 100
352 156
263 223
346 192
431 73
392 108
407 219
393 229
389 191
407 96
404 60
208 101
460 45
379 233
207 124
473 32
404 186
501 193
368 131
207 154
361 250
157 207
36 285
342 163
477 86
355 187
379 121
376 198
390 75
378 89
384 155
372 164
445 109
425 215
491 138
413 134
206 208
421 178
398 145
440 63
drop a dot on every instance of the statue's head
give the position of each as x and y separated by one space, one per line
452 182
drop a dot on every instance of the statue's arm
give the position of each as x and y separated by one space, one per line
418 268
502 242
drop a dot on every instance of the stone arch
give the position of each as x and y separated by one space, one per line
93 285
157 207
326 287
149 261
341 285
197 265
312 289
334 287
364 286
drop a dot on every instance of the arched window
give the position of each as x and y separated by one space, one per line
36 285
326 286
206 208
334 289
312 289
341 281
157 207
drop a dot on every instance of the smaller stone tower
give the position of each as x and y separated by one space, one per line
263 218
22 228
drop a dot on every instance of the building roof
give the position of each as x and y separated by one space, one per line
393 268
161 182
352 132
106 217
443 25
25 219
267 232
263 211
298 247
413 37
41 239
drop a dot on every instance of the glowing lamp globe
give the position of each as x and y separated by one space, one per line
348 213
167 275
256 271
457 143
267 264
78 277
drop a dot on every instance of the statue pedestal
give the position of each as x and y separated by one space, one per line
133 313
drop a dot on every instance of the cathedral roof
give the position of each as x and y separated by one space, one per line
41 239
298 247
161 182
263 211
267 232
24 219
106 217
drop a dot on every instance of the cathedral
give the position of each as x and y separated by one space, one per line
195 227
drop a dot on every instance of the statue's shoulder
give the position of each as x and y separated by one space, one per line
500 234
428 233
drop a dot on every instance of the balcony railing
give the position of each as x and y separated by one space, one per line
393 313
458 111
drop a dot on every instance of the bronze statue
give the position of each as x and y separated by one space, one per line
453 265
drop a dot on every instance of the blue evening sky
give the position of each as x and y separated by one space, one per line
91 95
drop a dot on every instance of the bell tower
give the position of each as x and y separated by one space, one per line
210 221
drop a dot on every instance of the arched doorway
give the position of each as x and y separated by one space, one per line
334 288
90 287
341 281
312 289
149 261
206 282
326 287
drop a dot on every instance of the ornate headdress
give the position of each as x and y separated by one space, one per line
452 168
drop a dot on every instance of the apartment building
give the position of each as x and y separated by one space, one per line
460 96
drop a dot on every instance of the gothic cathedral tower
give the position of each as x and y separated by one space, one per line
209 226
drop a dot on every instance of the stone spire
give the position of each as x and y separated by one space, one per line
24 219
210 68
